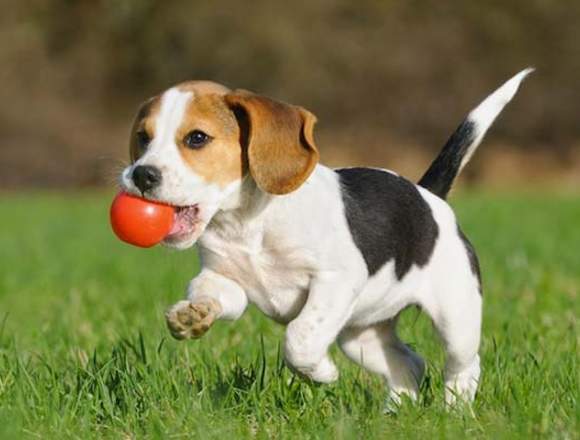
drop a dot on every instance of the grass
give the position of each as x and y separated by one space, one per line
84 352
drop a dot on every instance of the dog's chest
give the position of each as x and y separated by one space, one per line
274 275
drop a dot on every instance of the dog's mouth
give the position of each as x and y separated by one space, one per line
186 222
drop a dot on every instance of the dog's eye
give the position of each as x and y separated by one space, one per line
196 139
143 139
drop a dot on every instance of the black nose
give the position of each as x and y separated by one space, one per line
146 177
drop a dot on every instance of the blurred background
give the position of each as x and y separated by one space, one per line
84 349
388 80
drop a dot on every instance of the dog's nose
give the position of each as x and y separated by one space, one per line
146 177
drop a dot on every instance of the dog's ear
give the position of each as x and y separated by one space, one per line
278 138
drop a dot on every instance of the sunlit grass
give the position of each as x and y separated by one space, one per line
84 352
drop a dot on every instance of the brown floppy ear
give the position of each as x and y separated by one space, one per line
280 143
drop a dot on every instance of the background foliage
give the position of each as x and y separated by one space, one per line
386 78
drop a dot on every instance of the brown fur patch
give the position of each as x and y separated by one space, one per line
145 120
220 161
200 88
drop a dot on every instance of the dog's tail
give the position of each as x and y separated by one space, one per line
465 140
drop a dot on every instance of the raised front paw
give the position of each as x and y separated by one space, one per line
187 320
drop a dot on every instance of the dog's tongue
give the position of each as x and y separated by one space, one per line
178 226
184 220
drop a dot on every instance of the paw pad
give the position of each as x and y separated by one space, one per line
187 320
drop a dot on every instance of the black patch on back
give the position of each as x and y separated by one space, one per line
388 219
444 169
473 260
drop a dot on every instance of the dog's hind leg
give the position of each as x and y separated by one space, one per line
457 318
378 349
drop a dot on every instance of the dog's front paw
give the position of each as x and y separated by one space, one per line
187 320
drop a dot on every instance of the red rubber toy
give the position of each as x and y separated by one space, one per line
140 222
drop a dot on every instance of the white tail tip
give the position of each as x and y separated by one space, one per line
486 112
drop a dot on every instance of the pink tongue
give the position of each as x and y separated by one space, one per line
178 225
184 220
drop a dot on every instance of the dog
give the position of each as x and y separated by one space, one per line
333 254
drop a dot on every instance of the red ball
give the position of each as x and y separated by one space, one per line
140 222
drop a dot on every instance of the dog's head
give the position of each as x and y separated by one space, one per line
193 145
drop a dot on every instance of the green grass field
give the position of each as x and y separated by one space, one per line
84 352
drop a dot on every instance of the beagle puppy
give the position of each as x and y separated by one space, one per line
333 254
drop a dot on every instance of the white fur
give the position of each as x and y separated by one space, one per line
486 112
